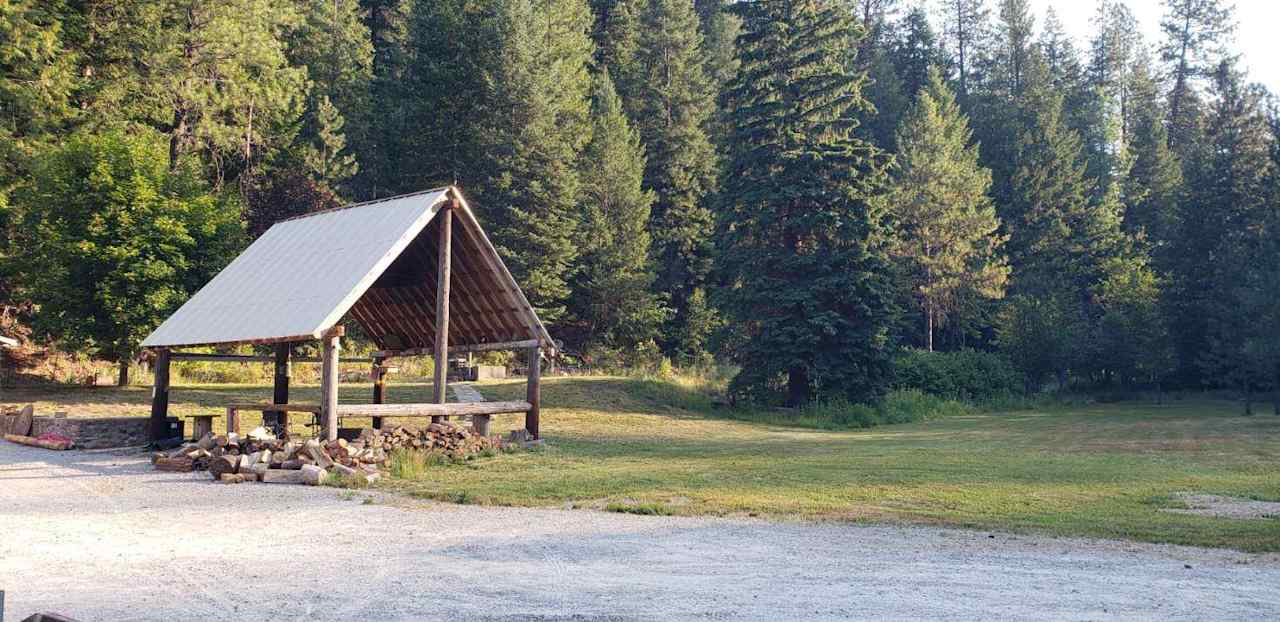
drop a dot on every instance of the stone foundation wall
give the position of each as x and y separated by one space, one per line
98 433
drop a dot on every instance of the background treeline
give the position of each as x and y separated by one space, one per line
802 188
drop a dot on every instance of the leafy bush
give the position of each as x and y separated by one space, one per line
908 405
965 375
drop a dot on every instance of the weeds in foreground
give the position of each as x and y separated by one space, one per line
415 464
644 509
350 482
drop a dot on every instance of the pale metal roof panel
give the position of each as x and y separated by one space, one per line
301 276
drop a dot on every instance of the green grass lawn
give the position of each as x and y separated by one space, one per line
1101 470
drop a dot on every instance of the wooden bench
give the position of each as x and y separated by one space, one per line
479 412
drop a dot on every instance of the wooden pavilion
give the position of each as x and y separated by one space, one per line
416 272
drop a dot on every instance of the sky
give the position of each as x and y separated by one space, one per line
1256 38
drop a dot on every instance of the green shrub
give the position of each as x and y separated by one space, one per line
964 375
908 405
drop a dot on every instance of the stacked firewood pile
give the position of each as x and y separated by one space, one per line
260 456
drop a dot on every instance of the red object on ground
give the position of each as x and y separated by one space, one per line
54 438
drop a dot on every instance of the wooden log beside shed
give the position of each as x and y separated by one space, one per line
416 272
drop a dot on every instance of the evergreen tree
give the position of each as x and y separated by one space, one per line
211 75
948 224
1014 31
619 49
1220 222
1114 48
1196 33
968 27
334 44
916 52
535 126
386 151
1131 342
803 236
1154 183
875 17
325 156
1066 73
720 30
994 103
1049 197
674 105
889 102
37 82
613 301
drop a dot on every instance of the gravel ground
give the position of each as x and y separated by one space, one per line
100 536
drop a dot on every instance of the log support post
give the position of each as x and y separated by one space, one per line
379 387
442 306
279 421
159 427
330 348
534 392
233 420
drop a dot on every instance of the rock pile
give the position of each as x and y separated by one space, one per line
260 456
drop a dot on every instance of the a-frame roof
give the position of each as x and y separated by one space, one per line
375 261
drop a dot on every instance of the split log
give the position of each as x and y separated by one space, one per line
181 464
317 454
281 476
32 441
256 471
313 474
223 465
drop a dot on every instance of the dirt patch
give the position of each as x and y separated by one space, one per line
1227 507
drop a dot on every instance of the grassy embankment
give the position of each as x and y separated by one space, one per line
654 447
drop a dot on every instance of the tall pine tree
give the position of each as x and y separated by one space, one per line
536 124
674 106
1220 226
948 225
803 236
613 303
1195 36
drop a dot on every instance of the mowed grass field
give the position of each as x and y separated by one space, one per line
1104 470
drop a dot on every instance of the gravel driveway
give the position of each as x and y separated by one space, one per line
103 537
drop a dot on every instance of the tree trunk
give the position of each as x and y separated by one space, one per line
122 379
928 326
797 386
1248 397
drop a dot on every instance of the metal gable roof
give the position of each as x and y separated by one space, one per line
372 261
300 277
